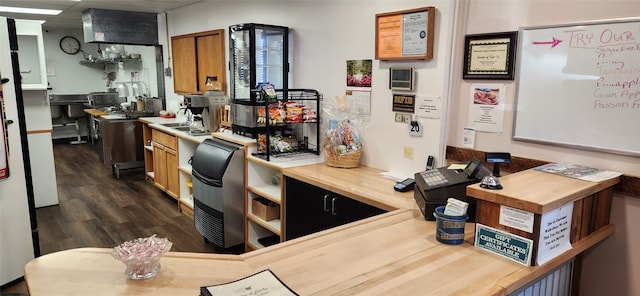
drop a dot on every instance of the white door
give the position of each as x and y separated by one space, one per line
16 247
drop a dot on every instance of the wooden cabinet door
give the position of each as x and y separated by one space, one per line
160 166
173 187
184 64
196 56
211 58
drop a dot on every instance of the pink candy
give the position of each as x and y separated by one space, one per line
147 248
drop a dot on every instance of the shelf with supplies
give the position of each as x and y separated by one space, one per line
287 123
101 63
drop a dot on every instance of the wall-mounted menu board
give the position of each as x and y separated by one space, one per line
579 86
405 35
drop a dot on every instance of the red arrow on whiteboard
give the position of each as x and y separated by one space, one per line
553 42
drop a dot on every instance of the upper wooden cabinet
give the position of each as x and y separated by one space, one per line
196 56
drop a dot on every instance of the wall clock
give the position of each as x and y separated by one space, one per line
69 45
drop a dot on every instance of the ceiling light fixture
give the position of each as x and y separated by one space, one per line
30 10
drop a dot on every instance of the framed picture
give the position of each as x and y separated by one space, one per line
490 56
405 35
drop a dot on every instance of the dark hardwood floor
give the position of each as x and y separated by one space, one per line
97 210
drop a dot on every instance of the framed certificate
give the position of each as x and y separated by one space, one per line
490 56
405 35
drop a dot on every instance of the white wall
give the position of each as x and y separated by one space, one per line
509 16
325 35
67 76
611 268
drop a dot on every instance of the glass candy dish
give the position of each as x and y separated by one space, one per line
142 256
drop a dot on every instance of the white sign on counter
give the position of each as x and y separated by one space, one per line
259 284
555 230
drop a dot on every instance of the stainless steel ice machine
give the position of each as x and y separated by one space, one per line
218 192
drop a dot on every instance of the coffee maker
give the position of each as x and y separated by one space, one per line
196 110
204 120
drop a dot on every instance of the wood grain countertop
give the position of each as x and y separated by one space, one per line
557 191
362 183
95 112
395 253
392 254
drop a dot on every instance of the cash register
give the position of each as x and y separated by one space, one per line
433 187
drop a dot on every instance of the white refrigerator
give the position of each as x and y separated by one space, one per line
18 228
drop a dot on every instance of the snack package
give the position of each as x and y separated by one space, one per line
309 114
268 89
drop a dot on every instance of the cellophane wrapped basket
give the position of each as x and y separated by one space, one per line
341 146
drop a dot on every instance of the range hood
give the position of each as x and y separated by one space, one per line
120 27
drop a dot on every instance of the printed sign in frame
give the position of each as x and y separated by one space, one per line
404 103
405 35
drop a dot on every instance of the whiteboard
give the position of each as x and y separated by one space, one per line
579 86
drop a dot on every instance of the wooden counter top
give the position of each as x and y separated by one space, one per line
395 253
402 258
95 112
362 183
556 192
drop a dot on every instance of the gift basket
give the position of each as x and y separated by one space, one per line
341 146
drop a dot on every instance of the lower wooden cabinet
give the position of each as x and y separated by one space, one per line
173 186
309 209
165 163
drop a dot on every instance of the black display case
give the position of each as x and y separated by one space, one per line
258 53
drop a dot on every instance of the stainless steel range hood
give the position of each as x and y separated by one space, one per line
120 27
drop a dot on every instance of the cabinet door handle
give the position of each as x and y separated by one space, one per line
326 206
333 206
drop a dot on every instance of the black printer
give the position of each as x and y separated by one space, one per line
433 187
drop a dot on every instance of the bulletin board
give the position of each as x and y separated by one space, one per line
579 86
405 35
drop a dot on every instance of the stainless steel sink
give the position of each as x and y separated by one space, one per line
182 128
176 124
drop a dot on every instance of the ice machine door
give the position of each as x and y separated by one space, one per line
210 161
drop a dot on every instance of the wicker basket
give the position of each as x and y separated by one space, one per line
346 160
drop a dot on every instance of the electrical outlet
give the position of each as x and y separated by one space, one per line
408 152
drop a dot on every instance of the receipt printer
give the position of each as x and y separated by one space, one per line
434 187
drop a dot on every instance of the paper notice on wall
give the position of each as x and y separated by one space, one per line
468 137
486 110
428 107
555 230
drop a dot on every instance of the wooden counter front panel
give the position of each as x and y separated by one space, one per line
589 214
